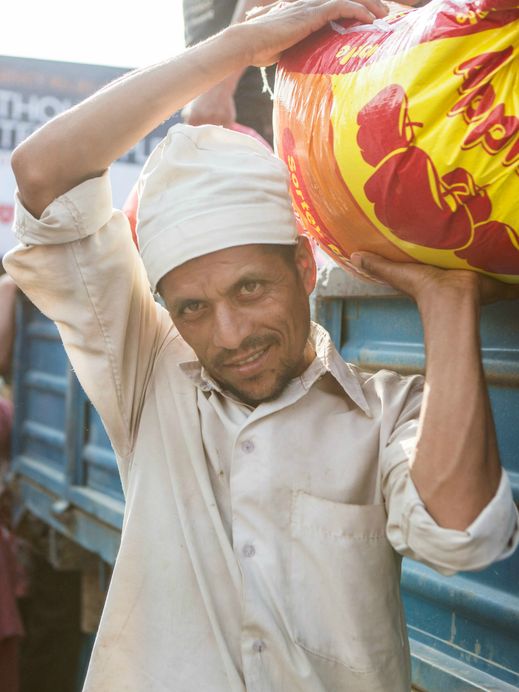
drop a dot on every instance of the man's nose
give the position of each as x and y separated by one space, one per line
230 327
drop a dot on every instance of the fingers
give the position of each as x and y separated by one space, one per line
362 10
283 24
421 281
376 266
365 11
411 278
261 9
492 291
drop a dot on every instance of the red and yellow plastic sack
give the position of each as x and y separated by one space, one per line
402 137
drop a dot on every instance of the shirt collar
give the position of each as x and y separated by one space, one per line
327 360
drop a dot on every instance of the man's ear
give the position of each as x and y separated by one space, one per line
305 263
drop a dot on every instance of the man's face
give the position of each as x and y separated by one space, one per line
245 313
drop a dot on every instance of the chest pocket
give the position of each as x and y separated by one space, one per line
344 583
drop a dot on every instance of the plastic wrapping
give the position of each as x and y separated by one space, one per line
402 137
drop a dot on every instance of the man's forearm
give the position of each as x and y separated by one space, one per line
83 142
456 467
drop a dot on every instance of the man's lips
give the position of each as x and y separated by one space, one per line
248 362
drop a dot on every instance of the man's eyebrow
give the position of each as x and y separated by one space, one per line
177 304
250 275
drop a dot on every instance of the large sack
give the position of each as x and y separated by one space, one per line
402 137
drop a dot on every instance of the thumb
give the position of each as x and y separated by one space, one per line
374 265
403 276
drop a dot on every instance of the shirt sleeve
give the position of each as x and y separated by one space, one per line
411 530
79 266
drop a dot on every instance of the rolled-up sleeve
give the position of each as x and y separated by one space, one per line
411 530
492 536
79 266
77 214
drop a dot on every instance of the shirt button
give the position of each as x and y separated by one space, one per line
258 646
247 446
248 550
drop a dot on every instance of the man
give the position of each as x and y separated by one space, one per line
268 484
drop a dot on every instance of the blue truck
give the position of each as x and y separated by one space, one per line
464 630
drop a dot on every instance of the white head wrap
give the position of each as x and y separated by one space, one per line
205 189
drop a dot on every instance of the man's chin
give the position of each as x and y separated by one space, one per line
256 393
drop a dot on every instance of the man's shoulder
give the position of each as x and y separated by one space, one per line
386 378
386 385
373 389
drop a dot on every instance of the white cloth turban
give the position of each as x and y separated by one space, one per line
205 189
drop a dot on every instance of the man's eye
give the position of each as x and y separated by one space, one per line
192 308
250 288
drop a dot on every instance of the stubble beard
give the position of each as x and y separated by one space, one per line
287 371
284 376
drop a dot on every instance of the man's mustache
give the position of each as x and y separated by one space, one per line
250 343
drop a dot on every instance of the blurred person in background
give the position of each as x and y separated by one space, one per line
241 97
7 329
11 582
39 605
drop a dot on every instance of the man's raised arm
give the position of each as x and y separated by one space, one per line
455 468
82 142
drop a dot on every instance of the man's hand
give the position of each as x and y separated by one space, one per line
276 27
425 283
268 30
85 140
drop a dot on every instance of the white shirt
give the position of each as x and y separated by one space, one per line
259 547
